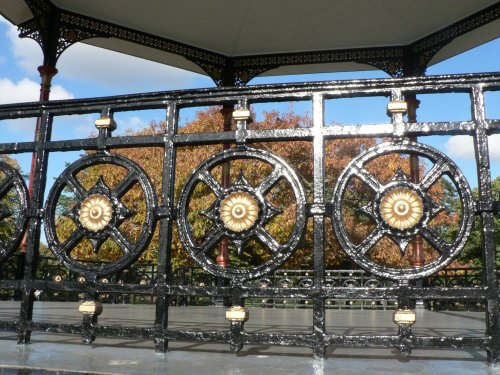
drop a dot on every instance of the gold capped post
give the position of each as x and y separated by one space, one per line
404 316
237 314
241 114
397 106
90 308
105 122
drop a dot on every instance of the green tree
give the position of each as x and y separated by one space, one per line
10 204
472 252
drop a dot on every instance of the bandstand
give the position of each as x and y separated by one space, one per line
232 43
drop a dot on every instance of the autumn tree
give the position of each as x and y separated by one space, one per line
298 154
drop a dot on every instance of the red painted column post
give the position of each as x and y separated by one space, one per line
47 72
227 113
417 255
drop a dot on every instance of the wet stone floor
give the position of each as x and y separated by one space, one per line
65 354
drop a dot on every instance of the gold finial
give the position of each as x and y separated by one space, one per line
105 122
404 316
237 314
241 114
90 308
401 208
397 106
96 212
239 211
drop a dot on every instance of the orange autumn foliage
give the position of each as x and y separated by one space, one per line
298 154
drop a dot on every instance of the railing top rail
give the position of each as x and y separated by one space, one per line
257 93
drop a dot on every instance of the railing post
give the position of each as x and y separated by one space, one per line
417 255
223 256
34 227
319 225
486 213
167 205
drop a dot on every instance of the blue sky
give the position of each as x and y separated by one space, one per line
86 71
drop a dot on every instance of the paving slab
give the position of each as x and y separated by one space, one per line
65 354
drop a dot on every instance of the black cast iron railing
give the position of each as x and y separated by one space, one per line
398 209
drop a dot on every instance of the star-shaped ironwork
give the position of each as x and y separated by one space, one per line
402 237
119 214
266 211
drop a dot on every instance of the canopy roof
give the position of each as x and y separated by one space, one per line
233 41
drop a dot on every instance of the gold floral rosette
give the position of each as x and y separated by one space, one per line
96 212
239 211
401 208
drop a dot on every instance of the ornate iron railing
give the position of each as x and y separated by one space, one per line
50 269
398 209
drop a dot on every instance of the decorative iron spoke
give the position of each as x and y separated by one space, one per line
271 180
120 239
75 185
366 177
437 242
70 242
266 239
434 174
211 240
369 241
6 186
5 214
208 179
126 184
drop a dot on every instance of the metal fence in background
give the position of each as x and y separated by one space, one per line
50 269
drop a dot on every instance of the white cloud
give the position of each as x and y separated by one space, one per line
117 72
24 90
58 92
122 72
461 147
26 51
132 123
27 90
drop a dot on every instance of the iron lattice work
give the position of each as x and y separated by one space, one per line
56 29
239 210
